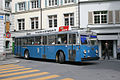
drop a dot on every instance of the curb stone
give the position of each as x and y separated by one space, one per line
9 62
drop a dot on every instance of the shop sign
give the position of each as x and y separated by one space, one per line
63 28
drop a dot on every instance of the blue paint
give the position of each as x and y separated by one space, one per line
93 36
1 17
50 51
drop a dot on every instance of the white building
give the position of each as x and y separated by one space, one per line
32 15
4 19
98 15
103 17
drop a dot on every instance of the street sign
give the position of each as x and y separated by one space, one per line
8 35
1 17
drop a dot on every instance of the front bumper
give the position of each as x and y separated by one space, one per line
89 58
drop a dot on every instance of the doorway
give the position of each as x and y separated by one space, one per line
7 44
110 47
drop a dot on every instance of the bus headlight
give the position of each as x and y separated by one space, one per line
85 52
96 51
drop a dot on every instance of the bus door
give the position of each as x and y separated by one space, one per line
18 46
50 48
72 47
44 46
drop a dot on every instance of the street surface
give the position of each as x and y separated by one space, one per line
37 69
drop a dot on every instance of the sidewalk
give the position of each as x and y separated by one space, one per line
9 60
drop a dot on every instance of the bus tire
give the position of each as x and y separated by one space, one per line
26 54
61 57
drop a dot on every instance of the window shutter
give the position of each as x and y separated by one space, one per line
28 5
61 2
25 6
45 3
58 2
39 3
15 7
117 17
110 17
90 17
75 1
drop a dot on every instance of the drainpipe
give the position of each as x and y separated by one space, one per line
41 12
78 14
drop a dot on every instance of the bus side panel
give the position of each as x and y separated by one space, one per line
51 51
78 54
17 50
74 53
34 51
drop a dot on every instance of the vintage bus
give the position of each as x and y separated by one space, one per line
72 45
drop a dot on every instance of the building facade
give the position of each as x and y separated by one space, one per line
102 17
33 15
4 27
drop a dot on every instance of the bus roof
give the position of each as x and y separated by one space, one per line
62 32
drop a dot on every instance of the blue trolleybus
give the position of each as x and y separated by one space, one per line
73 45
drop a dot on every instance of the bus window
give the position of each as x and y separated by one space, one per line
44 40
93 40
72 38
37 40
31 41
62 39
84 39
23 41
51 39
19 41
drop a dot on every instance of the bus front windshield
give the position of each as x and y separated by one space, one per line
84 39
93 40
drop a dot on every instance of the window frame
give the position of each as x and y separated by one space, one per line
52 18
34 4
100 15
69 19
21 6
68 1
52 3
35 21
22 22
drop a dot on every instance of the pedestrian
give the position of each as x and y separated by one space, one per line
106 53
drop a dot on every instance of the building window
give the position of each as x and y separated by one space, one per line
52 21
52 2
100 17
69 19
21 24
34 4
7 17
34 23
7 5
68 1
21 6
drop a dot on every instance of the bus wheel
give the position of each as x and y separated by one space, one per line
61 57
26 54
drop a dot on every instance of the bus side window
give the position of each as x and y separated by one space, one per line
51 39
31 41
72 38
37 40
44 40
62 38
